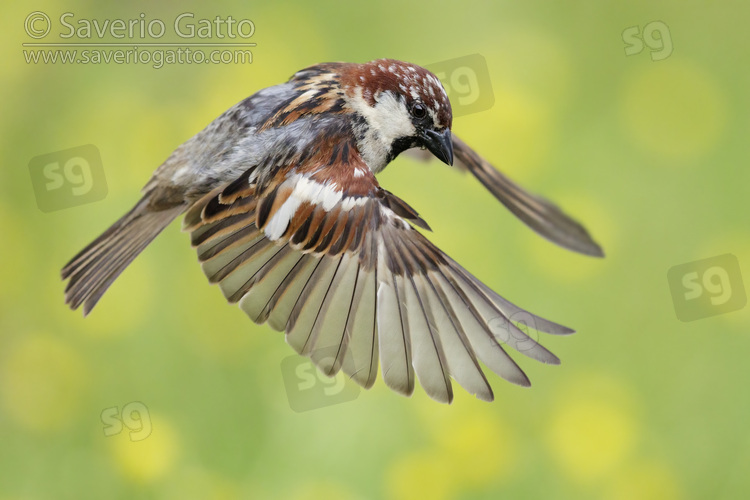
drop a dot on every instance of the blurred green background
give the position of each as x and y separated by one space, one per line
651 155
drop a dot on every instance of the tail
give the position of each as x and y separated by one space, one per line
97 266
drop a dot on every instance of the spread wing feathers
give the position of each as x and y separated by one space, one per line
352 283
538 213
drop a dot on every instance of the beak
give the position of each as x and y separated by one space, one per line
440 144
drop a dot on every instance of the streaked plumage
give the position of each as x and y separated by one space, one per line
287 217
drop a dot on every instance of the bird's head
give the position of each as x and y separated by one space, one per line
401 106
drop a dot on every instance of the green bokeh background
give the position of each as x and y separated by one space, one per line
651 155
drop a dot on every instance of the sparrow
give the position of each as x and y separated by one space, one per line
281 201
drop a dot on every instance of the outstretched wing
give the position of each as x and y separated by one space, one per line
324 254
539 214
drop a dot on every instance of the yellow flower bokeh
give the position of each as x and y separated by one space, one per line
675 110
149 459
42 382
593 429
646 480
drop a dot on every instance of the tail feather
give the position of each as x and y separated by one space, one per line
95 268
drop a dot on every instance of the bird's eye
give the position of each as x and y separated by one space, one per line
418 110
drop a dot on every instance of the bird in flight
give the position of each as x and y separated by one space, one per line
282 204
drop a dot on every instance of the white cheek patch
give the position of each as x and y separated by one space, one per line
389 117
306 190
387 121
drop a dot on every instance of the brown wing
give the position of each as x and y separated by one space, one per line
345 275
539 214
